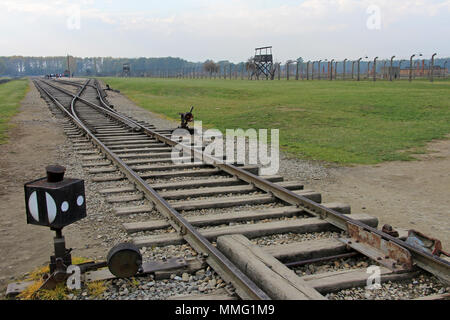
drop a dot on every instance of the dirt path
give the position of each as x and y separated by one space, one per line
24 247
409 195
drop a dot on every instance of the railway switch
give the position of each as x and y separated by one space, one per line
187 117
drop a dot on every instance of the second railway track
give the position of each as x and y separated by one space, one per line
199 203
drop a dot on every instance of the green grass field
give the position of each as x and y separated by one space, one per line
340 122
11 93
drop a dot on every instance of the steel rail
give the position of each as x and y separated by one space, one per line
72 103
245 287
101 98
110 112
71 83
427 261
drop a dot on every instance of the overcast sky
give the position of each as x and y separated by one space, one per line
197 30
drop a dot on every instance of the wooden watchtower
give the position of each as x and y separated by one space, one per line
263 61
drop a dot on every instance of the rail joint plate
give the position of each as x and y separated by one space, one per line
372 245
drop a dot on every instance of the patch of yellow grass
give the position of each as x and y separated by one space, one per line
134 281
96 288
38 273
61 291
79 260
29 293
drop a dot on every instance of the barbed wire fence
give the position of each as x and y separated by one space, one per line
361 69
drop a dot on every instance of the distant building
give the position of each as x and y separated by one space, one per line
419 72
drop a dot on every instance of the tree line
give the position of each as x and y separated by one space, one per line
17 66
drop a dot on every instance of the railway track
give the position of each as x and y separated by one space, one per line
227 212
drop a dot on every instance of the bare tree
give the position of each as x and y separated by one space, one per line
250 65
210 66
